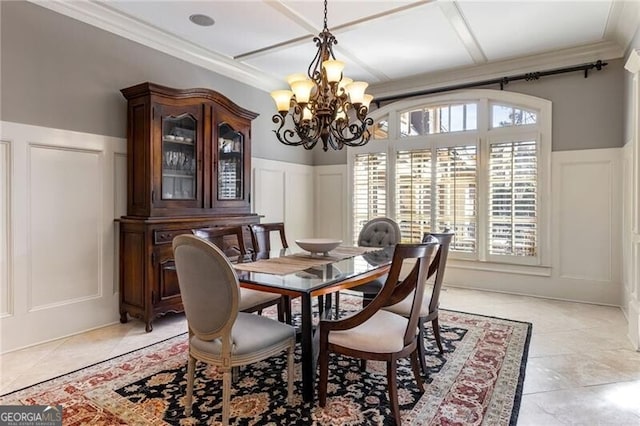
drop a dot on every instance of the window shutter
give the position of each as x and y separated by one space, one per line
413 193
513 174
456 195
369 189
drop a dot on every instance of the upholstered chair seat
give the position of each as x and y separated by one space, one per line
382 333
404 306
249 299
250 334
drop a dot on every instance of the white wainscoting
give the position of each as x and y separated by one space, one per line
6 291
283 192
58 192
332 208
585 242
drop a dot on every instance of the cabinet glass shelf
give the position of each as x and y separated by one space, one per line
179 157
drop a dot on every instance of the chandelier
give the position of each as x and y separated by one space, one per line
323 104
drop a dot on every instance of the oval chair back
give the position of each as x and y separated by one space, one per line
208 286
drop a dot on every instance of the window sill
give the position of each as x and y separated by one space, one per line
539 271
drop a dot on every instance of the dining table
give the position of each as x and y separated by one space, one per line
301 274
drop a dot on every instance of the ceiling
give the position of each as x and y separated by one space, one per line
382 42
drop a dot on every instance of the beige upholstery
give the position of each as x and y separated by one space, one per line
218 333
404 307
251 298
383 332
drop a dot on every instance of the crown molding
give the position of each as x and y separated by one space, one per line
103 17
623 22
604 50
633 62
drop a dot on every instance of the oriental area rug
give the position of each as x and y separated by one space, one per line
478 380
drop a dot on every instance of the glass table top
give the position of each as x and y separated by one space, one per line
319 276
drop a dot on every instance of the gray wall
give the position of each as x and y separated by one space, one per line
587 113
628 90
61 73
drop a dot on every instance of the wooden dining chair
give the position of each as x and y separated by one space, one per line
429 306
218 333
377 334
261 236
230 239
261 241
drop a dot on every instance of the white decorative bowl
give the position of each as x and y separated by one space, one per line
318 245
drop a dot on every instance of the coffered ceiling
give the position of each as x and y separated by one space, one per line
382 42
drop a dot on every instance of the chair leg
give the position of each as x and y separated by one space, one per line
281 310
436 333
320 305
287 309
337 295
415 366
392 383
421 350
191 370
226 396
328 300
363 365
290 373
323 363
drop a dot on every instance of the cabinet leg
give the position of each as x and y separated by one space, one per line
123 317
148 328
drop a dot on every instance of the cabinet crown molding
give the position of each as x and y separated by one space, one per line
153 89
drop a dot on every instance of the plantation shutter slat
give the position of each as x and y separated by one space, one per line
369 189
456 195
513 174
413 193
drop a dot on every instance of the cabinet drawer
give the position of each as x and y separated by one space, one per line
167 236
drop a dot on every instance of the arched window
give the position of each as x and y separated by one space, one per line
476 162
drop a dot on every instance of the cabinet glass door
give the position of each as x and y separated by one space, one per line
230 163
179 157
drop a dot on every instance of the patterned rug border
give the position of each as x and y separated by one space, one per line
516 399
523 361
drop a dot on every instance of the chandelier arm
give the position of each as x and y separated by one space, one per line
354 134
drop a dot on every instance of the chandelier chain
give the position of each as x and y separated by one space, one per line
325 16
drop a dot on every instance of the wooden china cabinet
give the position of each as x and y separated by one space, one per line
188 166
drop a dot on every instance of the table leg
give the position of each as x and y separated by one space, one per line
308 359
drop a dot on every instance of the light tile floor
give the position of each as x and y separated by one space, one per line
582 369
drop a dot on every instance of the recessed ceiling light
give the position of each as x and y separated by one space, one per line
202 20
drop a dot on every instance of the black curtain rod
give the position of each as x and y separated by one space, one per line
598 65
